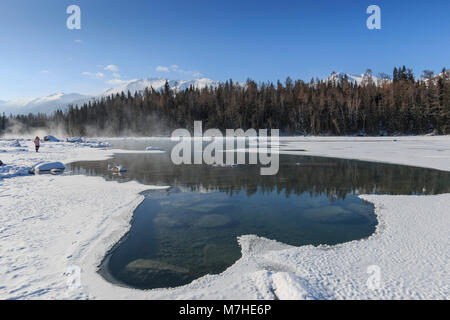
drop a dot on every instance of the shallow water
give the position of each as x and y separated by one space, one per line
180 234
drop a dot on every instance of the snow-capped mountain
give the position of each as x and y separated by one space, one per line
158 84
358 79
355 79
43 104
57 101
436 78
445 73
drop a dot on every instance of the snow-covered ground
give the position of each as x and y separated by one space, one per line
429 152
55 230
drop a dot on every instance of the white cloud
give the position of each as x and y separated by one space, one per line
97 75
116 75
187 72
176 68
78 41
114 82
112 67
162 69
45 71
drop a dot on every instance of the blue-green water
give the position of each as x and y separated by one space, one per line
190 230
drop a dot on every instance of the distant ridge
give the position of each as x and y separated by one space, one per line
62 100
46 104
158 83
355 79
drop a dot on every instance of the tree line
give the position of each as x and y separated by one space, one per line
390 105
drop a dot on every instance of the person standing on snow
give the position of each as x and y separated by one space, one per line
37 143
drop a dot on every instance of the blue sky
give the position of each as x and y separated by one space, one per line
263 40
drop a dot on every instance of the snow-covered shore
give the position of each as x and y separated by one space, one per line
417 151
51 227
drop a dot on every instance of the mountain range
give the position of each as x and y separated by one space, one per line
355 79
57 101
158 84
61 100
46 104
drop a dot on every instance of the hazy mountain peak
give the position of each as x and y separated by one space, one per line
45 104
139 85
61 100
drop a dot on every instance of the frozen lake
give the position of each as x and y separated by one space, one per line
180 234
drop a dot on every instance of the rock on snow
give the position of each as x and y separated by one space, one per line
49 166
51 139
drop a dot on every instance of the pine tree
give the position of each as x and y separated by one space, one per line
427 74
3 124
395 75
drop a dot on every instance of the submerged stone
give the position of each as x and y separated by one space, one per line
154 266
159 273
168 221
213 221
156 272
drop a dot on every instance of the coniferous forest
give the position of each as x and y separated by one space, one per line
391 105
